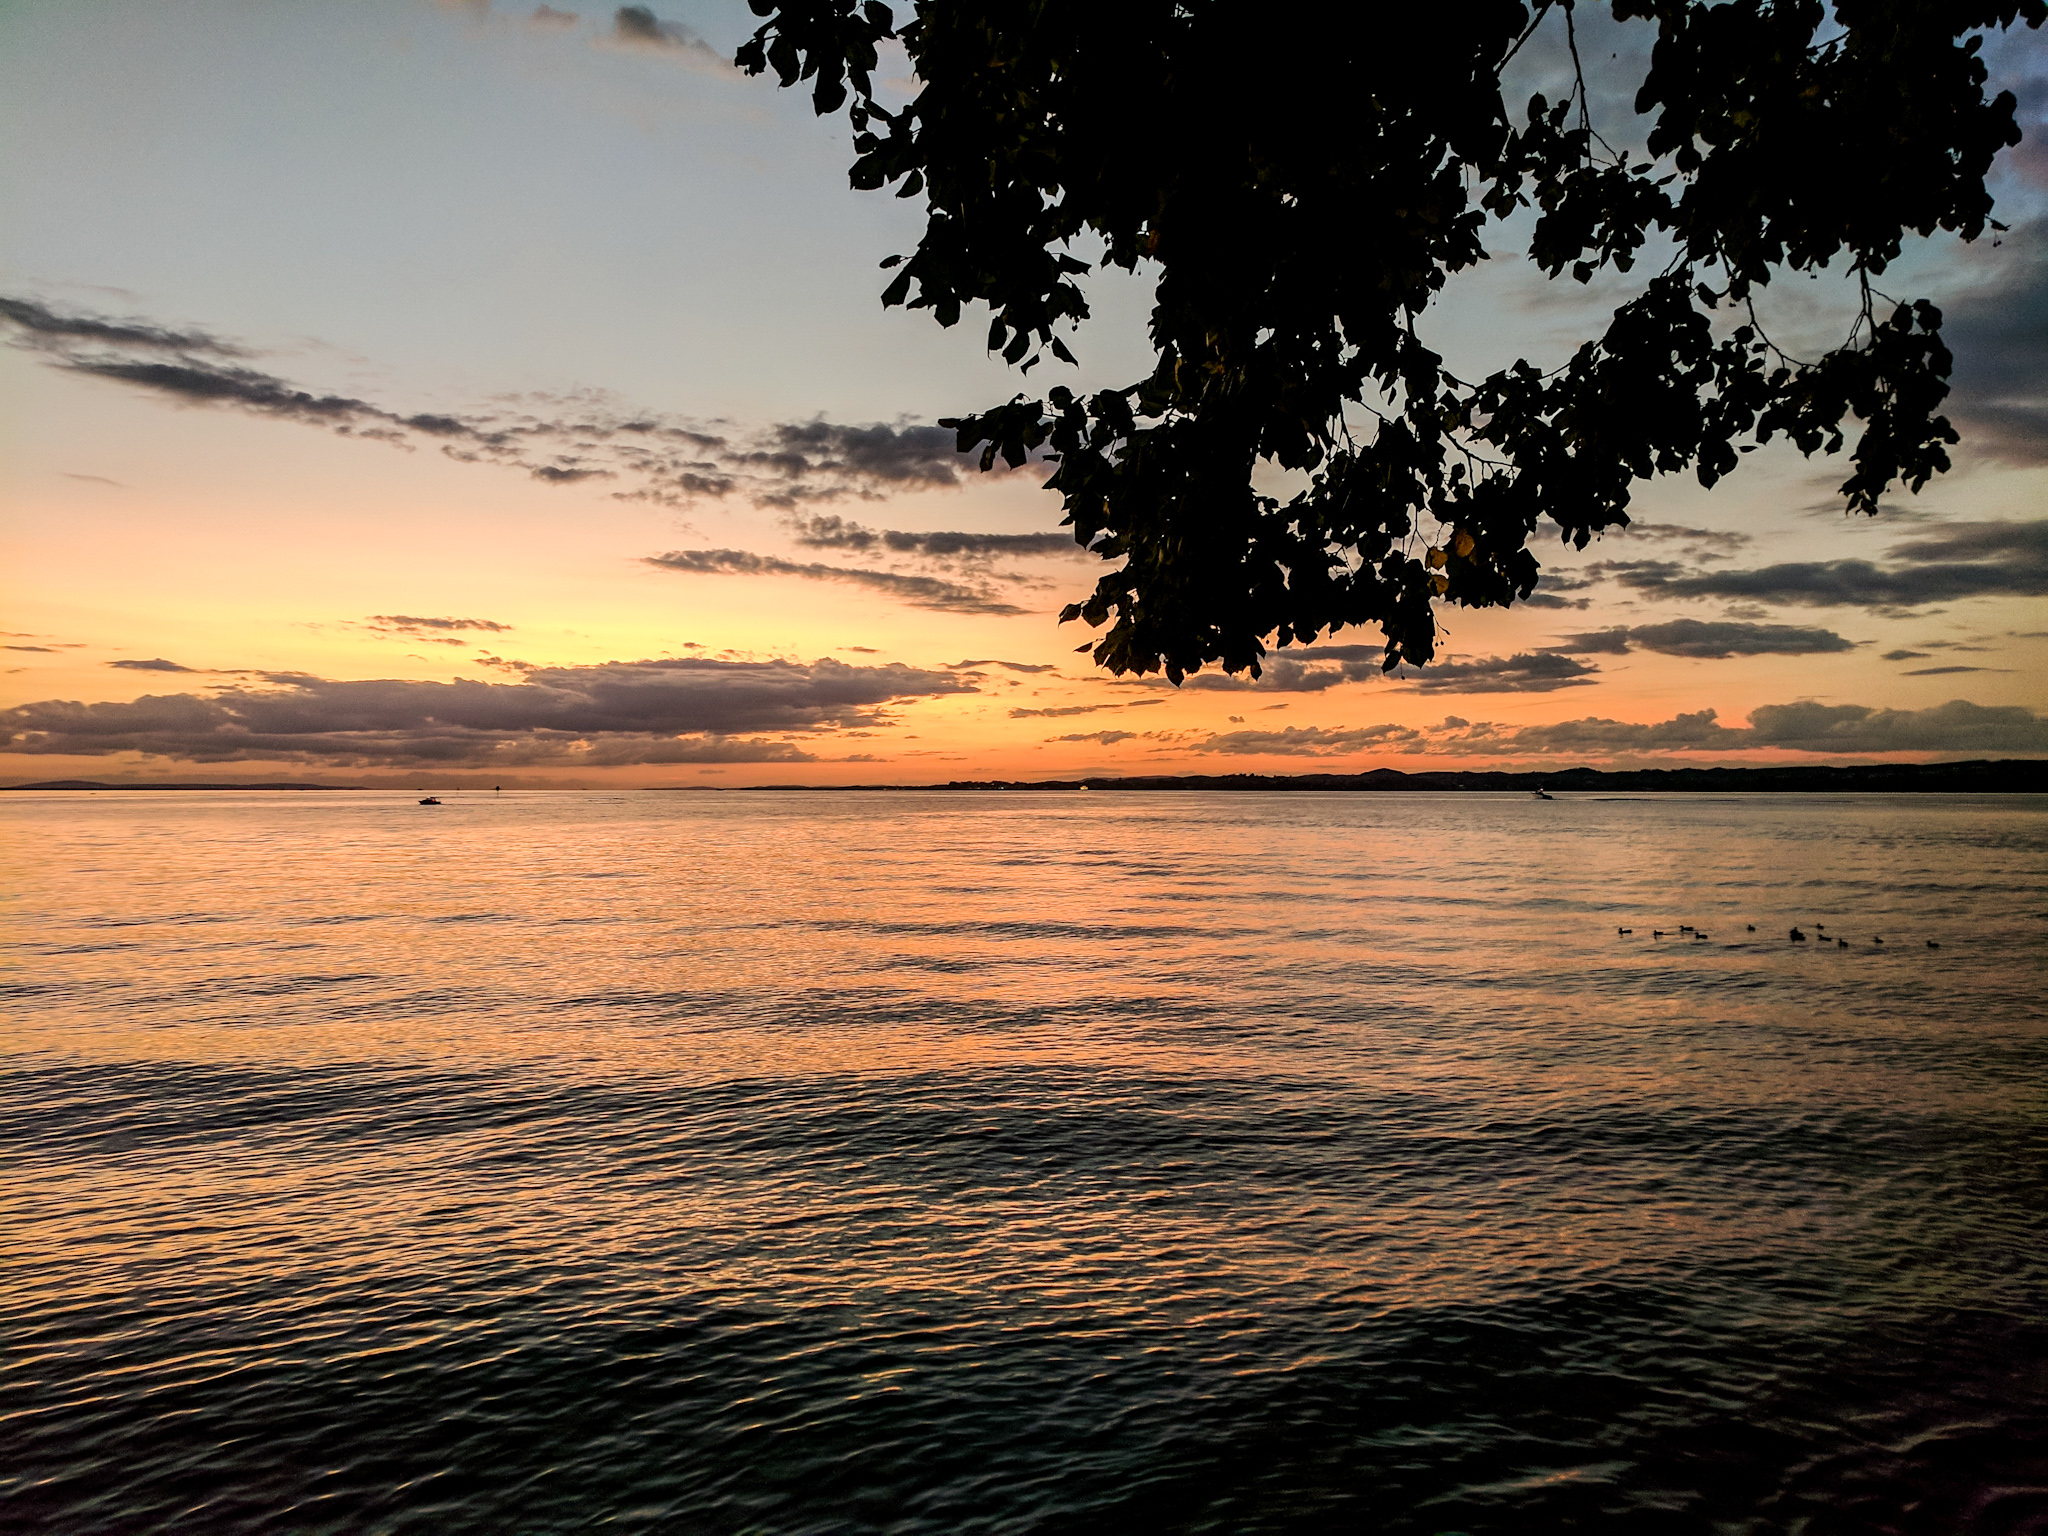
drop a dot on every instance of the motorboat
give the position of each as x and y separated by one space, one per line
430 800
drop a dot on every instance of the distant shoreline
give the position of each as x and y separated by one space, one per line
2014 776
1979 776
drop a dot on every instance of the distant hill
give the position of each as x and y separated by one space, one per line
95 784
2011 776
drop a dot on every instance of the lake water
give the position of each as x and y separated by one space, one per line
951 1163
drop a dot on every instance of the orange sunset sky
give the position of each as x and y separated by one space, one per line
467 394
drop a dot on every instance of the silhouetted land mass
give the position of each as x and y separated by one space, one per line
2016 776
95 784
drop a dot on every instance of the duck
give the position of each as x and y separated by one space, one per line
1932 945
1624 931
1752 927
1697 936
1841 943
1798 937
1656 933
1877 941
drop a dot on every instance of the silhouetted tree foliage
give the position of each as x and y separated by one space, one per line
1306 188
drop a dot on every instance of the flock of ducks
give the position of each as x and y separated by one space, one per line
1795 937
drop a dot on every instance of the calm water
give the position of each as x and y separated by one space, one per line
1009 1163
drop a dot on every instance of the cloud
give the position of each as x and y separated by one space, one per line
635 26
548 16
1009 666
1312 741
1103 738
1956 560
1999 335
916 591
47 650
1705 640
827 531
1707 543
413 624
582 440
1525 672
93 479
1943 671
613 713
1061 710
43 326
156 664
1904 656
1599 642
1955 728
1319 668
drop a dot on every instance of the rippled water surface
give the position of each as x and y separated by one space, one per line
948 1163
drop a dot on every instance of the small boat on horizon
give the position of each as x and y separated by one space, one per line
430 800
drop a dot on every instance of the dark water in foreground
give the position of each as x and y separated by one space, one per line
1004 1163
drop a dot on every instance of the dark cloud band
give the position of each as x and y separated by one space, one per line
1955 728
1707 640
1950 562
670 710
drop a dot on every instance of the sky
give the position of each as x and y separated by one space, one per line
400 392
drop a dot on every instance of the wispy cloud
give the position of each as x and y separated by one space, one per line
1060 711
642 456
155 664
414 624
1033 667
1100 738
829 531
917 591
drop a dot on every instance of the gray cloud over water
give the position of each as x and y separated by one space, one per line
1956 728
659 711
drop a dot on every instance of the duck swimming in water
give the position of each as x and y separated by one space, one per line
1798 937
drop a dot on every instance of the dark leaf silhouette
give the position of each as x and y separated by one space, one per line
1306 197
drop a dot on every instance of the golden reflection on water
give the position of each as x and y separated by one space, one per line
1251 1084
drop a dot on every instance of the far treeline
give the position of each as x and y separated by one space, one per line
2016 776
